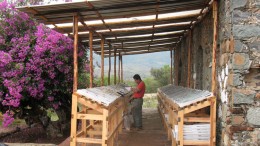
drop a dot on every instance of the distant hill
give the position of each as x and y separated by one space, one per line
132 64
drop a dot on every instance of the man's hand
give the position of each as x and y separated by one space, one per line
135 90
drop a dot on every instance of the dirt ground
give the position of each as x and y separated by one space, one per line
153 133
35 134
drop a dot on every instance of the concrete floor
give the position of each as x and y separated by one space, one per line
153 133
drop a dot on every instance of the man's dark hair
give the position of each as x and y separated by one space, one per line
137 77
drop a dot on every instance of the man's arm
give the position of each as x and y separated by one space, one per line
138 88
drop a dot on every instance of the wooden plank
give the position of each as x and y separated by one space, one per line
102 61
95 133
109 63
122 72
214 49
176 67
75 53
119 67
197 119
115 129
194 142
79 134
104 127
89 140
84 122
171 66
73 133
189 59
91 111
89 116
213 118
180 127
195 107
90 104
112 113
91 59
114 65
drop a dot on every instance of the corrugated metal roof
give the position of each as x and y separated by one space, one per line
104 95
184 96
95 10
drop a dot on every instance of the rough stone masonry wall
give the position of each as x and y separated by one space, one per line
201 53
239 73
238 69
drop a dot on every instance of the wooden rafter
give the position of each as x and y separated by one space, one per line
156 19
100 16
46 20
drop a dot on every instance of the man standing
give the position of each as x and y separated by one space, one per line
137 101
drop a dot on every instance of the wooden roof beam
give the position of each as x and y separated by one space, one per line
45 19
100 16
137 48
88 28
139 52
156 19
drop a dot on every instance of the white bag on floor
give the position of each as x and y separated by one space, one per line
128 121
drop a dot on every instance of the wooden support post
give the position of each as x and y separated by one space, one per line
189 60
104 127
91 58
122 78
213 116
75 53
119 68
102 61
180 127
84 123
176 69
109 62
73 133
215 38
114 65
171 66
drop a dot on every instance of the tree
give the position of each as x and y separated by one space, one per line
162 75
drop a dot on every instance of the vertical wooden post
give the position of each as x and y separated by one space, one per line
73 133
176 69
171 66
114 65
215 37
75 53
119 68
180 127
213 118
91 58
189 60
102 61
84 122
122 78
109 66
104 127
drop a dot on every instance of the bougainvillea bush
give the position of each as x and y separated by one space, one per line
36 67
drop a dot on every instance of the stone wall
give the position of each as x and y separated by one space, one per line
238 69
243 113
200 56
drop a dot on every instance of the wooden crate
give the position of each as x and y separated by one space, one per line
100 123
184 122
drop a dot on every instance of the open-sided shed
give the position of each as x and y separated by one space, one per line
126 28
